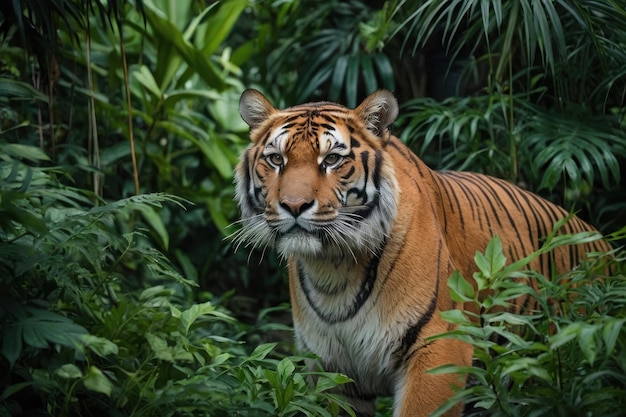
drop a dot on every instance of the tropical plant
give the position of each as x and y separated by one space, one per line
565 357
77 335
149 104
546 82
117 286
310 50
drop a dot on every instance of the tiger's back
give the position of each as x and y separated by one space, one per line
472 208
371 235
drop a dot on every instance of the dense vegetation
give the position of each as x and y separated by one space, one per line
119 131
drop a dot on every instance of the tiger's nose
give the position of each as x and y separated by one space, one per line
297 206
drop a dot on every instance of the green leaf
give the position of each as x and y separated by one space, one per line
69 371
145 78
587 341
461 289
12 343
493 260
611 331
286 368
455 317
261 351
96 381
338 78
99 345
19 151
219 25
565 335
155 221
189 316
45 327
19 90
328 381
529 367
159 347
168 35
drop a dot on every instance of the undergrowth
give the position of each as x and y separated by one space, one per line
565 357
95 321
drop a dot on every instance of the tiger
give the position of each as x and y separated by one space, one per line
371 235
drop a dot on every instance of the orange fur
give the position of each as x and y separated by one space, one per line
371 235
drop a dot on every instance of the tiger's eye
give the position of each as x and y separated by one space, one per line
332 159
275 159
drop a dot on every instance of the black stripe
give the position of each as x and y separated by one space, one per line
467 192
449 192
247 176
361 193
412 333
328 119
348 174
378 162
513 193
408 155
365 291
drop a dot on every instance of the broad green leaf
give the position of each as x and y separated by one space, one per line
221 23
69 371
19 90
12 342
14 388
45 327
189 316
155 221
529 366
145 77
368 74
565 335
385 70
611 331
99 345
261 351
159 347
351 83
587 341
338 78
493 260
19 151
96 381
455 317
461 289
285 368
328 381
170 36
156 291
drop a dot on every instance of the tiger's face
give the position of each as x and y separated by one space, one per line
316 180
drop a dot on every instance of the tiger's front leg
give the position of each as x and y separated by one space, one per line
419 393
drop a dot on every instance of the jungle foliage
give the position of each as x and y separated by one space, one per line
119 132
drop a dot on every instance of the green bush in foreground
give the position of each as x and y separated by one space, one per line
95 321
566 358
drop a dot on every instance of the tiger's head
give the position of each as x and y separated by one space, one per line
316 180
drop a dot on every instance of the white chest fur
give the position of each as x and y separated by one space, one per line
340 321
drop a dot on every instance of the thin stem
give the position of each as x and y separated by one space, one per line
129 107
94 144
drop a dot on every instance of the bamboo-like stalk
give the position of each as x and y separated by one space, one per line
92 135
129 108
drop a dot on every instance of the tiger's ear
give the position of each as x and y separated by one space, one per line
254 107
379 110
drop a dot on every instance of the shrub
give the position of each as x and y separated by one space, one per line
95 321
566 357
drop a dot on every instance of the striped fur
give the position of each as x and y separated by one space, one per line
371 235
